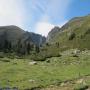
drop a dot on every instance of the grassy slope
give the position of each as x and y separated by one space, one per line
18 72
81 28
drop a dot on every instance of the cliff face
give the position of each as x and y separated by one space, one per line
37 39
52 33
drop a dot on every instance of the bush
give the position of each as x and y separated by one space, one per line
5 60
2 55
42 56
71 35
81 87
37 57
87 32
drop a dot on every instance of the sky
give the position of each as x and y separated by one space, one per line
40 16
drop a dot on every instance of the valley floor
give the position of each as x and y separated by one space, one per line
70 71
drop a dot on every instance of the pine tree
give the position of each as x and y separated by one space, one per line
28 48
37 49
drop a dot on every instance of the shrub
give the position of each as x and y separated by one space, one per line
81 87
37 57
47 44
71 35
2 55
87 32
5 60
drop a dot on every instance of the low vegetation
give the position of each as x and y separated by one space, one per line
54 71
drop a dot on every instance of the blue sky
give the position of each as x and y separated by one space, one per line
41 16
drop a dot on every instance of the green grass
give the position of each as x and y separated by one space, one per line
19 73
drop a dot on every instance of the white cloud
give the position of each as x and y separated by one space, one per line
44 28
55 11
17 12
11 12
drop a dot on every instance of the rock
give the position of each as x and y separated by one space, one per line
76 51
52 33
75 55
31 80
62 84
48 61
32 63
51 85
80 81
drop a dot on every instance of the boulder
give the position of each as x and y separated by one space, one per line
32 63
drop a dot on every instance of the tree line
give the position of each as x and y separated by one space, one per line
20 47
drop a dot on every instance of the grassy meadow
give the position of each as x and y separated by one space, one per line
53 72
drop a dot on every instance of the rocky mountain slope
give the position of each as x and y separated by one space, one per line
52 33
74 34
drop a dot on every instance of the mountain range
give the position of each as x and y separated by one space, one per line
74 34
